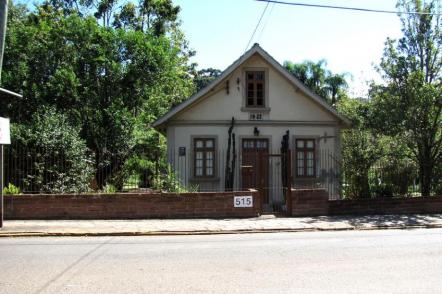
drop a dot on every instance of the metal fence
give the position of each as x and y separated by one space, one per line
44 171
382 179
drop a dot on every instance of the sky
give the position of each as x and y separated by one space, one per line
351 42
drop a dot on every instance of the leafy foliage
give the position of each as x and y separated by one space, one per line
10 189
360 149
61 162
409 105
109 189
374 164
171 182
109 82
320 80
153 16
204 77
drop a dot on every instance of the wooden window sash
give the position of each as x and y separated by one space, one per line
204 151
255 82
305 150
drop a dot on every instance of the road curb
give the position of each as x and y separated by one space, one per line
210 232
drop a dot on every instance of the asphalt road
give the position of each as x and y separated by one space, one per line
399 261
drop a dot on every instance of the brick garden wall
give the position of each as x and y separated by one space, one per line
305 202
311 202
387 206
129 206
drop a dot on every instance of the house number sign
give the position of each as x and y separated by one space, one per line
243 201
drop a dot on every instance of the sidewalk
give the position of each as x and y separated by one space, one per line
266 223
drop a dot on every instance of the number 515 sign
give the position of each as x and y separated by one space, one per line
243 201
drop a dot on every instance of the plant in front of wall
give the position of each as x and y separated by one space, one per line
169 181
11 190
109 189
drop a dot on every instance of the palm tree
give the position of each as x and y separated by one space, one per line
317 74
334 84
319 79
299 70
309 73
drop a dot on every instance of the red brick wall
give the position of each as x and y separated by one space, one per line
387 206
129 206
311 202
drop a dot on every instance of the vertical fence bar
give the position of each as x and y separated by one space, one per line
288 197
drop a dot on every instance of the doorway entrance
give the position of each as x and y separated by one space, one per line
254 166
268 173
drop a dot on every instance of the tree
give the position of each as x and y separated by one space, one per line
360 149
157 15
66 6
409 105
299 70
153 16
204 77
317 74
335 84
105 11
110 83
319 79
127 17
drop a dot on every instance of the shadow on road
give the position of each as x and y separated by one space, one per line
379 220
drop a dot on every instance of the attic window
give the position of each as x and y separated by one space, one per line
255 88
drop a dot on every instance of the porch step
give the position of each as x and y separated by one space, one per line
267 215
270 215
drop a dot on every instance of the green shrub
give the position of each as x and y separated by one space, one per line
11 190
57 159
109 189
170 182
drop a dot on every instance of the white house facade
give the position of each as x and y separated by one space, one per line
266 103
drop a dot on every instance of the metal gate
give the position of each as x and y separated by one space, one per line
279 183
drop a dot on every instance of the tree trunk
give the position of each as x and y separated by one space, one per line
425 174
426 164
362 184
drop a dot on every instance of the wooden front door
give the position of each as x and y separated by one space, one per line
254 165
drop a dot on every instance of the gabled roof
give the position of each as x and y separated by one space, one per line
256 49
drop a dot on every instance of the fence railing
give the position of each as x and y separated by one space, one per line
43 171
381 180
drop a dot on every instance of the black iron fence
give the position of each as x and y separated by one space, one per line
42 171
382 180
